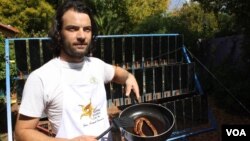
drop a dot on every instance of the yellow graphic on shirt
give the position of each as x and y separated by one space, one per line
87 110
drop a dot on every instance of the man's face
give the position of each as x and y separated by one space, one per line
76 36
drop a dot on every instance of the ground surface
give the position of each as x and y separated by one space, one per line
220 115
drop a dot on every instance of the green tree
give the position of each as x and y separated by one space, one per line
2 58
239 9
121 17
204 24
193 22
139 10
2 63
30 16
226 25
111 16
152 24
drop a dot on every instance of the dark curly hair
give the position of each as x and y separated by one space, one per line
54 33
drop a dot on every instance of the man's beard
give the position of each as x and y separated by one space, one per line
73 53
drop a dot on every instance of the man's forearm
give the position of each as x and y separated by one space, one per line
121 75
34 135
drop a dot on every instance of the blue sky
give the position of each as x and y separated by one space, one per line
176 4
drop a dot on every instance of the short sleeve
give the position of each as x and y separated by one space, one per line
32 103
109 72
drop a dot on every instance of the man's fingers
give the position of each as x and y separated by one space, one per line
137 93
128 90
135 90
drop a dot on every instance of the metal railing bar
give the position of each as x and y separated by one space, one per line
8 97
104 36
136 35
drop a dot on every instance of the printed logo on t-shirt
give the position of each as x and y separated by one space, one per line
90 114
87 110
93 80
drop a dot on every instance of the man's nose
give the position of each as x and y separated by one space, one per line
80 35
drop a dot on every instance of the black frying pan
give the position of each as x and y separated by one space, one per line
161 117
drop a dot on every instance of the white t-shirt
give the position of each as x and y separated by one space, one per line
44 92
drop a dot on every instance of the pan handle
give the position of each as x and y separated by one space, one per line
134 100
105 132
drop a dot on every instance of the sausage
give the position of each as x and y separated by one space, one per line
138 126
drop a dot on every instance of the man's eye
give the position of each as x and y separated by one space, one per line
72 29
87 29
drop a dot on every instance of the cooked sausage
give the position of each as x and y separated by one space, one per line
138 126
151 126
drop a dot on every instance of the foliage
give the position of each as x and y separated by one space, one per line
195 24
191 21
121 17
226 25
3 65
236 8
2 58
31 16
54 3
152 24
139 10
111 16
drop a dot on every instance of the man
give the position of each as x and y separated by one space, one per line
69 89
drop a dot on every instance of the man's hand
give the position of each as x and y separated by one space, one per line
131 84
122 76
84 138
